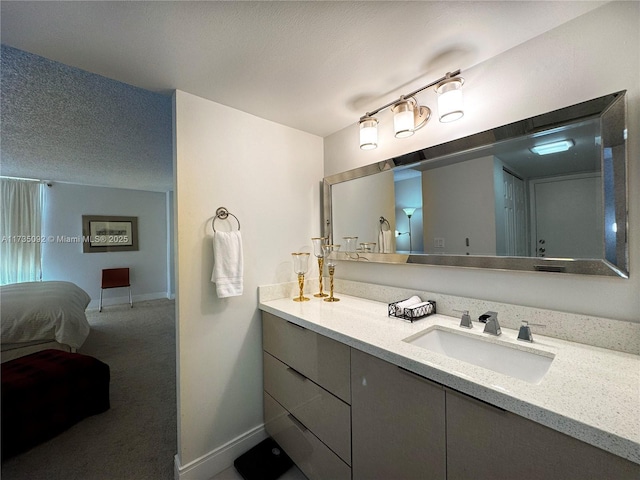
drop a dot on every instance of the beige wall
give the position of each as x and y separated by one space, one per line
268 176
593 55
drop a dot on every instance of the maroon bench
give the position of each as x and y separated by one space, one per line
47 392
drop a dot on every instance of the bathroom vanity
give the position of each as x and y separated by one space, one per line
347 395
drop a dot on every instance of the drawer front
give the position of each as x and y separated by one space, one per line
320 359
328 417
311 456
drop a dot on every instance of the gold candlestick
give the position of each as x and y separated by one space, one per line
301 297
318 242
331 264
300 266
332 270
320 269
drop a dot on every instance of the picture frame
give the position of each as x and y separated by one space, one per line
108 233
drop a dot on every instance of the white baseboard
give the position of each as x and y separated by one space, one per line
221 458
95 303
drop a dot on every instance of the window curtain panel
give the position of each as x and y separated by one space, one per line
20 231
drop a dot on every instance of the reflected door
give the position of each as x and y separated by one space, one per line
515 237
568 219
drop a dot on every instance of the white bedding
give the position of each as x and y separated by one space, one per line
34 311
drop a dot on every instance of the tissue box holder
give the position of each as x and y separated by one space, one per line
412 313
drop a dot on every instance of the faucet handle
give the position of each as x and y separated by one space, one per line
526 322
524 333
465 320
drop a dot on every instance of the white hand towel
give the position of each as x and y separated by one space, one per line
409 302
227 264
429 310
384 242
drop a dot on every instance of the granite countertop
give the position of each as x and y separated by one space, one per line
589 393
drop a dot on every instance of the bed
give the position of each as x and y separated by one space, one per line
41 315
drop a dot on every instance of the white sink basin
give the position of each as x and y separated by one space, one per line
526 364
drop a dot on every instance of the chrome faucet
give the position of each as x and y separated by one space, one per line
492 327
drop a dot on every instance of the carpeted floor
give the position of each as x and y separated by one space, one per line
136 438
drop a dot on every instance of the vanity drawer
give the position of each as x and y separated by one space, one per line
320 359
328 417
312 456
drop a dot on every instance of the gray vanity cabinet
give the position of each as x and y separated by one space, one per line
306 398
398 422
487 443
342 414
406 427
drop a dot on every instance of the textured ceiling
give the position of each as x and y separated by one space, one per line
63 124
315 66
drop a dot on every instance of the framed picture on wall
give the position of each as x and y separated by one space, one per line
106 233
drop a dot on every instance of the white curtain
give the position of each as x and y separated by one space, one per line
20 230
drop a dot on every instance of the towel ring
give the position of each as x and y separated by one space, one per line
222 213
382 222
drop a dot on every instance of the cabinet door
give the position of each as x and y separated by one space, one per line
485 442
397 422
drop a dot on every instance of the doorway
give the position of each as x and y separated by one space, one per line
567 216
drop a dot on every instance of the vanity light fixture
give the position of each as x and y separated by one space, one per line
409 115
553 147
368 133
450 106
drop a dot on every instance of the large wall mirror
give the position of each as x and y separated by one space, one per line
547 193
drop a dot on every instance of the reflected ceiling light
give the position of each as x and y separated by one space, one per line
409 116
553 147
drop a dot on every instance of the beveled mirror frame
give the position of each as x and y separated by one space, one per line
611 109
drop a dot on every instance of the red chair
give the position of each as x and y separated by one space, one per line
115 278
